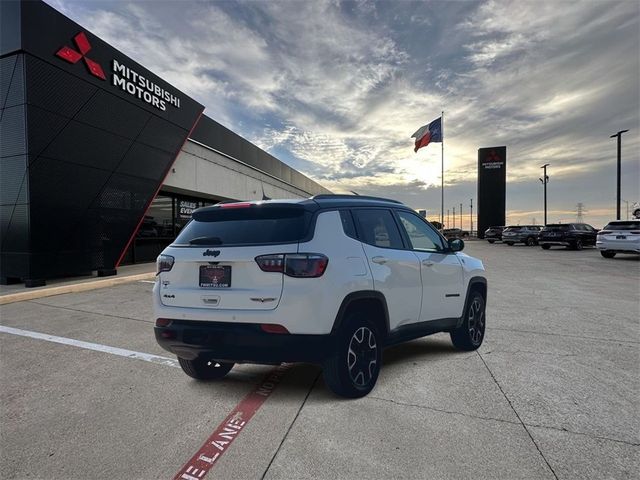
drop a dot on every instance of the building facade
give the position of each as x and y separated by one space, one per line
101 161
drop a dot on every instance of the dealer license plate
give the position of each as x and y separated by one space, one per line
621 237
214 276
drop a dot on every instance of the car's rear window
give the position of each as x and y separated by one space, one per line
255 225
630 225
561 228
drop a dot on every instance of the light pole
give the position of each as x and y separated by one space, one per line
460 216
454 217
471 214
545 180
447 218
619 135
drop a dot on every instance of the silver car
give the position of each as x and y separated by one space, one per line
527 234
619 236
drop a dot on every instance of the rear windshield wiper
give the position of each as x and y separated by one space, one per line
205 241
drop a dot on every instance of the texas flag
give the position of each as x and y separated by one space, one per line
428 133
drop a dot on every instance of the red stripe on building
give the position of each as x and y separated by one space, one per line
224 435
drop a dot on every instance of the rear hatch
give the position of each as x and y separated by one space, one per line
622 231
215 266
555 231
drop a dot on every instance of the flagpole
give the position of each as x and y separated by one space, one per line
442 175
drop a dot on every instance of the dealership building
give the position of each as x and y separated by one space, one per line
102 161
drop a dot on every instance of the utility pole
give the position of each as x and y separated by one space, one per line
471 214
447 218
461 216
454 217
545 180
580 211
619 136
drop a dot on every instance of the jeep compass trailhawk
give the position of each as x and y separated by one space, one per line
331 280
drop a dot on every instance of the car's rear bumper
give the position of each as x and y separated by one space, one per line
241 343
544 241
619 246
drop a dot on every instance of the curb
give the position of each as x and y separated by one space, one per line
74 288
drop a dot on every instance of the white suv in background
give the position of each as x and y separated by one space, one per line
331 280
619 236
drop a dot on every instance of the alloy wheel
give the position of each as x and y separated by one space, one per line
476 322
362 357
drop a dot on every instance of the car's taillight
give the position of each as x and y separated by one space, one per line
163 322
164 263
271 263
273 328
236 205
299 265
308 265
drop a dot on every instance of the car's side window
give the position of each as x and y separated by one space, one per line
347 224
377 227
421 236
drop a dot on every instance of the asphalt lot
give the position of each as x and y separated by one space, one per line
552 393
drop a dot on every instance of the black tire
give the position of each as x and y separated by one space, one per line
491 241
509 243
204 369
545 246
607 253
577 245
352 370
470 334
530 242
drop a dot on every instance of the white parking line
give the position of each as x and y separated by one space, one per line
147 357
147 281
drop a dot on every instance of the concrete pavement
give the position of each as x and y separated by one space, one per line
552 393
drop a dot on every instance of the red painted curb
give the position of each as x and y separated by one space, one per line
224 435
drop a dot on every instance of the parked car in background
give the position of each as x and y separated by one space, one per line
493 234
619 236
527 234
451 233
571 235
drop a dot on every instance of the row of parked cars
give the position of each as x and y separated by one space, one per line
619 236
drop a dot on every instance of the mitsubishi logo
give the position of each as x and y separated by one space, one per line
493 157
73 56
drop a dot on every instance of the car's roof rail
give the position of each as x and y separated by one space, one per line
339 196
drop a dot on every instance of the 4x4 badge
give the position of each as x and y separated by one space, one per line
211 253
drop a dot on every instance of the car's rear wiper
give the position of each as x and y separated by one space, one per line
205 241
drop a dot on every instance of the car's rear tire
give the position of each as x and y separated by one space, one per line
470 334
352 370
545 246
509 243
607 253
491 241
577 245
531 242
204 369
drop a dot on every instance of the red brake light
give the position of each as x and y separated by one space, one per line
163 322
273 328
299 265
307 265
236 205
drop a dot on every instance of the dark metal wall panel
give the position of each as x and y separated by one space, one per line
11 81
10 37
12 132
13 180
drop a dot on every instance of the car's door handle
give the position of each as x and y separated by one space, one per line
380 260
427 263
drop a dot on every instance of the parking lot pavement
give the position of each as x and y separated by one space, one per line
552 393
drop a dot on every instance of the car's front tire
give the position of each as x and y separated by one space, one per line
470 334
509 243
352 370
531 242
491 241
577 245
545 246
202 368
607 253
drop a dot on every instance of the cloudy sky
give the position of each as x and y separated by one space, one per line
335 89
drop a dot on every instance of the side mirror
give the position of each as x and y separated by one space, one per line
456 245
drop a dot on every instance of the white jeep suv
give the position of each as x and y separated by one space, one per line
331 280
